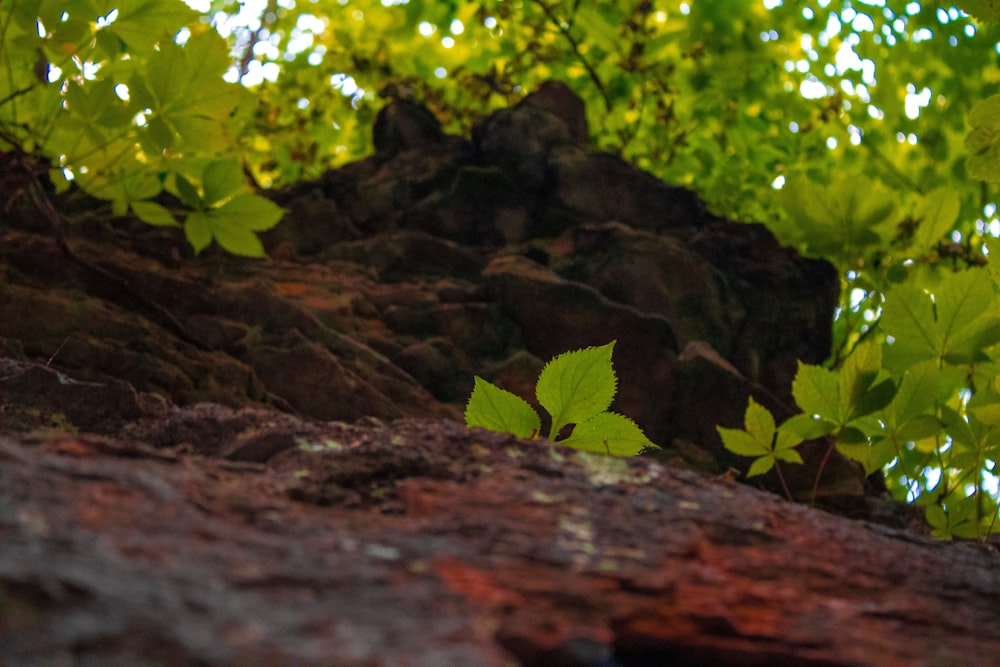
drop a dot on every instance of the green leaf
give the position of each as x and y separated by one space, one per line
852 435
187 192
816 392
938 519
760 439
222 179
785 447
788 455
577 385
874 399
908 316
601 29
97 107
961 299
882 452
252 212
234 224
153 214
138 20
858 451
806 427
499 410
839 219
740 442
609 433
189 103
859 371
992 248
760 466
759 422
918 391
856 395
988 413
920 427
957 427
983 140
233 234
984 10
236 238
122 186
937 213
198 230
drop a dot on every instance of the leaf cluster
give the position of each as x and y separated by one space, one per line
128 102
576 388
919 400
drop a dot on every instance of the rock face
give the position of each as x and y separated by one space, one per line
178 484
422 543
396 279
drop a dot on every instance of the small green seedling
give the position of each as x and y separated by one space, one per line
849 406
763 441
575 388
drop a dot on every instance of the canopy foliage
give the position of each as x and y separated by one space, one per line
863 131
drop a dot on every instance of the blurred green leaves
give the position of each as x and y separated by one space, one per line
129 103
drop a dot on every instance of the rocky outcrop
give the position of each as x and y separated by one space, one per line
394 280
179 483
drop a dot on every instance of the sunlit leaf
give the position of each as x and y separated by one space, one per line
983 140
499 410
153 214
609 433
937 213
908 316
577 385
222 179
816 391
198 230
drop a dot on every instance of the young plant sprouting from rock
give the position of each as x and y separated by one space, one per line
763 441
842 404
574 388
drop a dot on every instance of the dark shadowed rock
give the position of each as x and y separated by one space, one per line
404 125
655 274
36 396
789 300
598 187
398 278
559 99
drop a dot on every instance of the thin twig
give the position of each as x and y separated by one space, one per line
576 50
58 349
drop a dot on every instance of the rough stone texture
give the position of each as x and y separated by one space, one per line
215 536
396 279
176 484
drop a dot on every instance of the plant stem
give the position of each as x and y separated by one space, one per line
819 472
781 478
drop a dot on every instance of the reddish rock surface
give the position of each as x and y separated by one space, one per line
424 543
